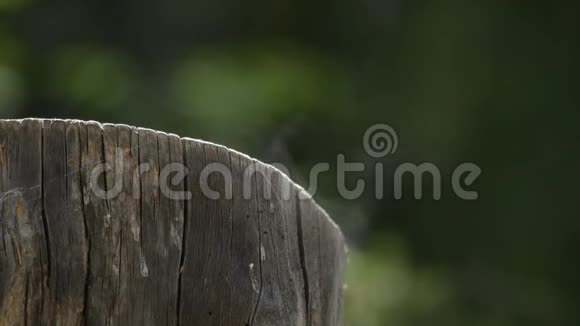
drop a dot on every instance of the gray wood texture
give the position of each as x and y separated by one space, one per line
70 256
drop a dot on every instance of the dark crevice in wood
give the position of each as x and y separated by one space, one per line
106 200
232 216
26 298
270 215
65 170
204 160
87 233
259 212
122 224
140 208
120 251
104 161
159 168
321 250
2 233
284 247
184 231
42 209
2 212
299 227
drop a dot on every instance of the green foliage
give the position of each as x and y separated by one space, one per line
384 288
91 77
252 89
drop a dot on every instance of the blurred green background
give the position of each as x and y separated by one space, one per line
299 82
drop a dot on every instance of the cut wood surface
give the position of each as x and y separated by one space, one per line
71 256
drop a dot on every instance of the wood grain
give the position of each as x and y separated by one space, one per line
70 256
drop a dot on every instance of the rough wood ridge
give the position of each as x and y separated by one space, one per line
71 257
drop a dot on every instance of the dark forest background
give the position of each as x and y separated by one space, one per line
298 82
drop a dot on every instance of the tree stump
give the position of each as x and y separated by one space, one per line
174 244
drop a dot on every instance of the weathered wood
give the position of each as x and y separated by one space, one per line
146 253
